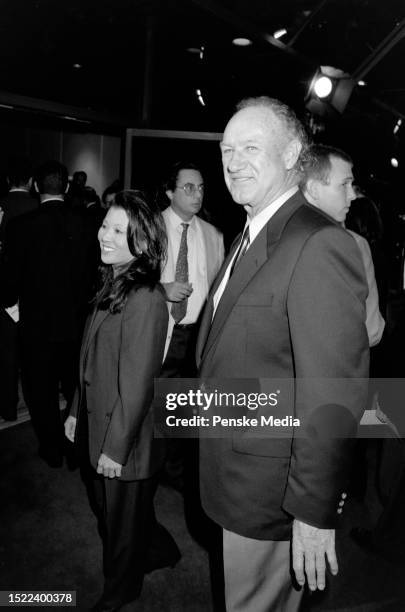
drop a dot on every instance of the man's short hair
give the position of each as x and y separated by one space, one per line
316 163
293 126
52 177
171 180
19 171
80 174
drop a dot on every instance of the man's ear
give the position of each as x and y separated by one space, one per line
67 188
169 194
36 187
291 154
312 190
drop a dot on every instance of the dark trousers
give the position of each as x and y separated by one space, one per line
125 512
180 358
179 363
8 367
46 367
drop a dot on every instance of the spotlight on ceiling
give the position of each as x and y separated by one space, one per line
361 83
394 162
397 126
329 91
77 66
279 33
323 86
241 42
199 97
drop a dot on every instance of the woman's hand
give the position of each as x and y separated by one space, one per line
70 428
108 468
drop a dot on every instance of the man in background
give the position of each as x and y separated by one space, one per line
45 270
17 202
328 185
194 255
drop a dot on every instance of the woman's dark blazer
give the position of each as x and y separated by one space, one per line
121 355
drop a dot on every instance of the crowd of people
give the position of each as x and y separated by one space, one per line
110 295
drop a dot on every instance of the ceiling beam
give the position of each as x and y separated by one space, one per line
12 101
380 51
247 27
307 22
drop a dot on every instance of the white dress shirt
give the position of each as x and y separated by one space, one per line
255 224
197 262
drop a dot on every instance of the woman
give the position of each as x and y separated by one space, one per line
122 352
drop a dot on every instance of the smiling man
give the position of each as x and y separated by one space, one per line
288 303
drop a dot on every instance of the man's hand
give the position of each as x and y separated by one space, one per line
108 468
176 292
310 545
70 428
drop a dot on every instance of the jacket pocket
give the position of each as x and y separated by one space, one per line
246 444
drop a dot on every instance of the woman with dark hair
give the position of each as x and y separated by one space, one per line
111 417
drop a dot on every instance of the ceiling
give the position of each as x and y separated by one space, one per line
136 70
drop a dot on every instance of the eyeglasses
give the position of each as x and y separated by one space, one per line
190 189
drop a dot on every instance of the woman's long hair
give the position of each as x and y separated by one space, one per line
147 242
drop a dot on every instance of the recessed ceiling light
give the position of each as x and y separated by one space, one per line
361 83
241 42
77 66
394 162
279 33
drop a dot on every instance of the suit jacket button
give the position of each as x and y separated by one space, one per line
341 503
339 510
344 495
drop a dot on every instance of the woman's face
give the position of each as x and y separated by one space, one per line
112 237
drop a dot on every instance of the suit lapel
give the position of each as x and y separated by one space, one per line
92 325
257 254
206 319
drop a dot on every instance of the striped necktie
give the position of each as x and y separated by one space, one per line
243 247
179 309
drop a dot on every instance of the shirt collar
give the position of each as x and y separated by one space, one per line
18 189
176 221
48 198
260 220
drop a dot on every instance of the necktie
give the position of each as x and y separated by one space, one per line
179 309
243 247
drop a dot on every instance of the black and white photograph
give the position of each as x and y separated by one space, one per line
202 305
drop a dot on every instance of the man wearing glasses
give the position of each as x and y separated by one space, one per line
195 254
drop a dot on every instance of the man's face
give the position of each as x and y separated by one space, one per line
254 158
184 205
335 196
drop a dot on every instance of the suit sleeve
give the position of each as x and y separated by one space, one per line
143 336
374 322
11 263
326 311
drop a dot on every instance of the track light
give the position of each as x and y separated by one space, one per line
329 91
323 86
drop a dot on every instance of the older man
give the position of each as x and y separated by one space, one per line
289 303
